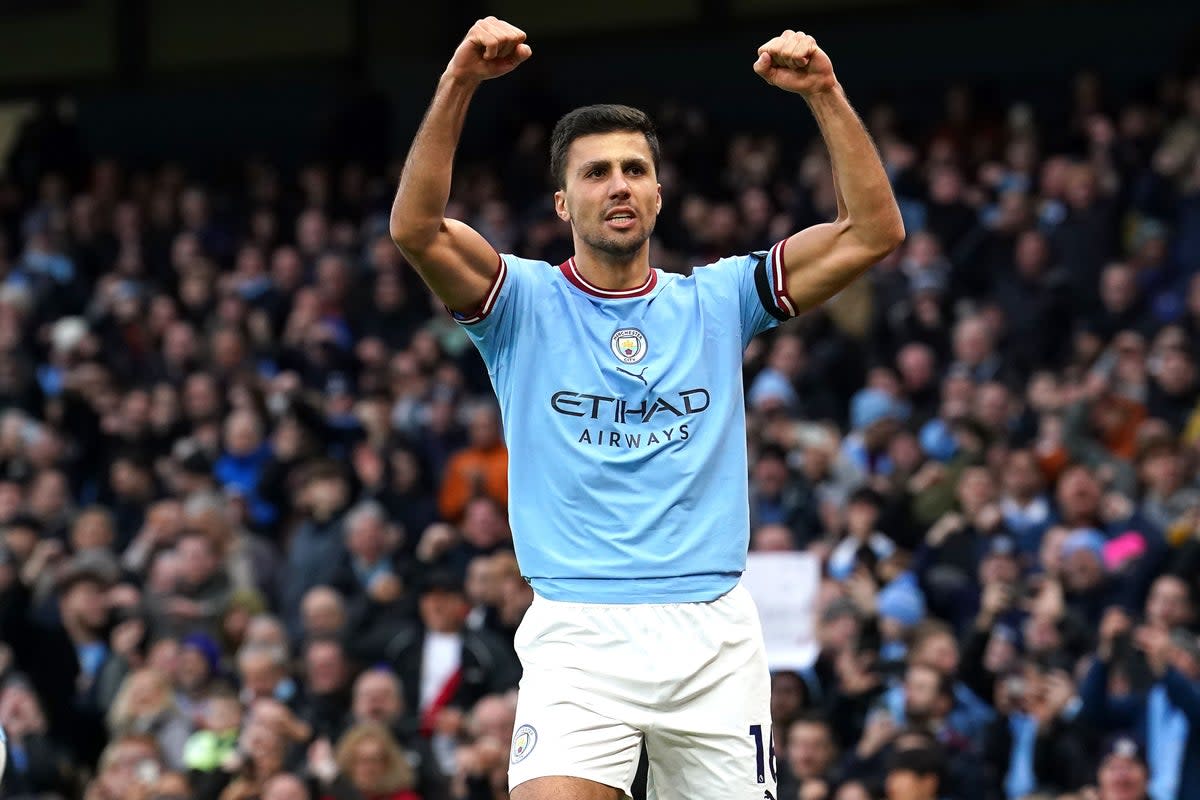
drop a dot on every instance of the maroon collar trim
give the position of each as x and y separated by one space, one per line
571 273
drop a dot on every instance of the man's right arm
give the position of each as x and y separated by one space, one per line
455 262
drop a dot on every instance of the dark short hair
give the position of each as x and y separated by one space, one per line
604 118
920 761
815 719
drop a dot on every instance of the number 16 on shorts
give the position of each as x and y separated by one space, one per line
764 753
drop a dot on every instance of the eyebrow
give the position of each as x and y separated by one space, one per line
625 162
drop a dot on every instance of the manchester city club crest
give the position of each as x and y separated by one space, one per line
629 345
523 741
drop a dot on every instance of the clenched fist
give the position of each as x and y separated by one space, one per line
491 48
793 62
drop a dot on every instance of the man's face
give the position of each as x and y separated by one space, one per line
976 489
1177 372
1122 778
939 652
483 525
242 434
906 785
1022 476
260 675
49 494
326 668
1117 289
322 612
443 611
1168 605
809 750
20 541
916 366
999 568
367 538
771 475
376 698
1082 571
1078 495
1032 253
85 604
196 559
192 671
921 693
611 195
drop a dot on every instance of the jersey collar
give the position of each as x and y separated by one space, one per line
571 273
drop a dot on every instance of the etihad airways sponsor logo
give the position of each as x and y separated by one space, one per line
674 405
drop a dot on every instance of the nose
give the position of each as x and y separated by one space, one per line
618 187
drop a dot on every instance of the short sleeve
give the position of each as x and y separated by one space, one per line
491 326
761 285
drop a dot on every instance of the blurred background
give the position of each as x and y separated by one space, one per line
144 80
253 534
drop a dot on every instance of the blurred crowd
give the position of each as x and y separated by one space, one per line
253 535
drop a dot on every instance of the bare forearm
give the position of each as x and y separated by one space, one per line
864 192
420 205
837 193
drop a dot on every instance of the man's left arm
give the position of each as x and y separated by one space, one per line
818 262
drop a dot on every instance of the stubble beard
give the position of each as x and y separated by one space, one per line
617 248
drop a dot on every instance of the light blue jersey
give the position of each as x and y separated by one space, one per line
625 423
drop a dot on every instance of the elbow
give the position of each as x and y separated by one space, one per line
413 244
409 238
897 232
881 238
890 234
413 236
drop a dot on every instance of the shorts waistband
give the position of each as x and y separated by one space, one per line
634 592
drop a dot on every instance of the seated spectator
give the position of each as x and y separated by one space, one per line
128 765
145 705
368 764
810 759
217 738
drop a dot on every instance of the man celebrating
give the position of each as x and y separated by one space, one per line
620 389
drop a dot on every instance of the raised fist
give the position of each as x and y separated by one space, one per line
491 48
793 62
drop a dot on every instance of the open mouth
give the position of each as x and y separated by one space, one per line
620 218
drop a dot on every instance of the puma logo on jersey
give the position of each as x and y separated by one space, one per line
638 375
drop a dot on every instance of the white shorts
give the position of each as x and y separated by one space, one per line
690 679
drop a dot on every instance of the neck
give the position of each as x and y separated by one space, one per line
611 272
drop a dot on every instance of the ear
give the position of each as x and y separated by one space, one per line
560 206
658 199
